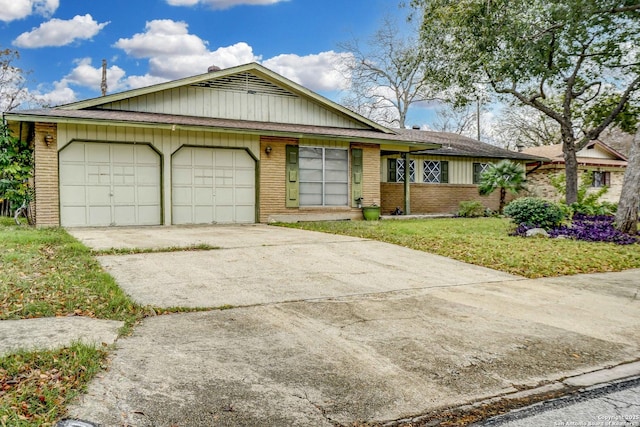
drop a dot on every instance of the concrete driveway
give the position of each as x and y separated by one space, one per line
329 329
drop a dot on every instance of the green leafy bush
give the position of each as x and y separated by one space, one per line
588 202
471 209
16 167
535 212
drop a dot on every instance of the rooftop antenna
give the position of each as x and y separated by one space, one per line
103 85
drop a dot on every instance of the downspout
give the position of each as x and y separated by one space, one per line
407 183
534 169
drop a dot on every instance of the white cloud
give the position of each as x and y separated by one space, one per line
223 4
58 32
134 82
320 72
163 37
173 53
11 10
178 66
60 94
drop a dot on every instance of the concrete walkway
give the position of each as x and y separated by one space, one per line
329 329
54 332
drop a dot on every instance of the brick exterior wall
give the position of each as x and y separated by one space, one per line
539 183
370 173
47 203
435 198
272 192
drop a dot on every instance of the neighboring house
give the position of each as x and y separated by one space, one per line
239 145
606 164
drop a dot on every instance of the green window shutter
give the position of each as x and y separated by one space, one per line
477 171
356 175
292 184
444 172
392 170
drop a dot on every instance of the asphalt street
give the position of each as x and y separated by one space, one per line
615 405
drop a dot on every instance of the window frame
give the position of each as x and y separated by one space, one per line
604 181
478 169
424 171
324 182
394 171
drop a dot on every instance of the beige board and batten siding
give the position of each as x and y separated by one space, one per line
251 104
460 169
163 140
595 152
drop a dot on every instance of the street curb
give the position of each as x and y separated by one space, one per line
587 381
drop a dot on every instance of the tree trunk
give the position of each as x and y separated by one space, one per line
627 215
503 198
570 166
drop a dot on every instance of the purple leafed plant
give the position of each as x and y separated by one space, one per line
597 228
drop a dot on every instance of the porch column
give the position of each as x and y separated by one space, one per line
407 183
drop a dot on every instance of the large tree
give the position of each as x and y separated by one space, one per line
627 215
460 119
520 126
13 81
387 74
575 61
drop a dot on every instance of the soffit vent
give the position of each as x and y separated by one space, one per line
246 82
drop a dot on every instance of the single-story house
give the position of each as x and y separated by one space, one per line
442 177
238 145
606 164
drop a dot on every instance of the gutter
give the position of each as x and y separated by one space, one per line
417 146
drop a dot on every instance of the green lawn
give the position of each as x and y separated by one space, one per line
486 242
35 387
45 273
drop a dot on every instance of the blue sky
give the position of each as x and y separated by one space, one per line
62 42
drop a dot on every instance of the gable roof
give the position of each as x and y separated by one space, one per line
261 77
555 155
178 122
456 145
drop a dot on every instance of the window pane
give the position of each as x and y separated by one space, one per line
310 152
310 194
310 165
310 175
400 170
336 165
335 154
324 177
598 180
431 172
336 194
310 158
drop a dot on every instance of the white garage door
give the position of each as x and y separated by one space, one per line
109 184
213 185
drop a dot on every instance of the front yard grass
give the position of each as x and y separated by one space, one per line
46 273
35 387
486 242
